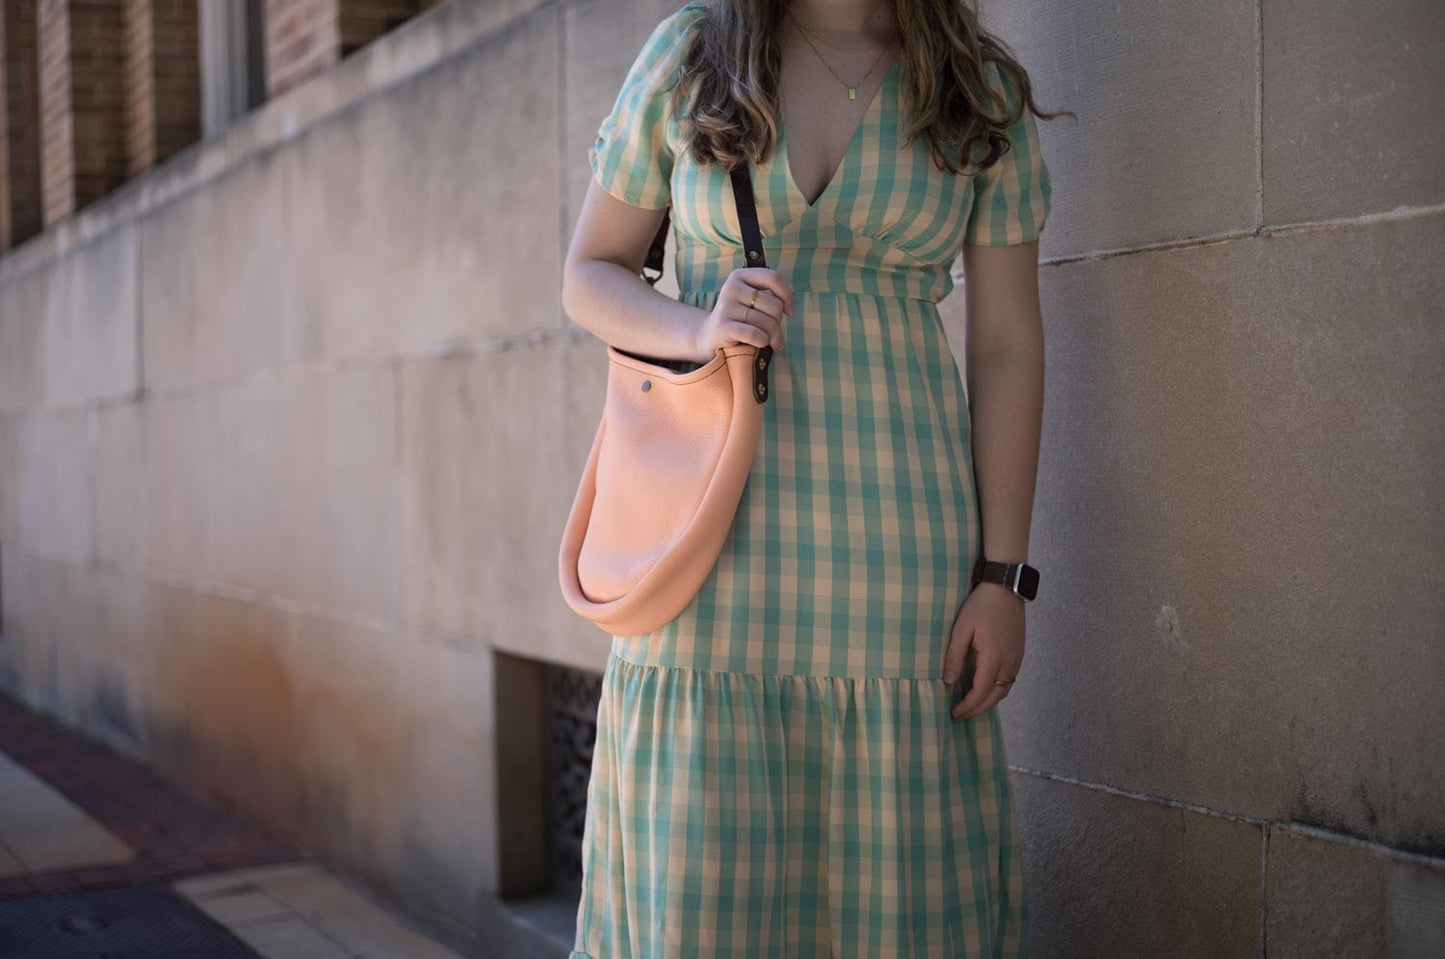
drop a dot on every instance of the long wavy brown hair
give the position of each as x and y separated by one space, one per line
728 85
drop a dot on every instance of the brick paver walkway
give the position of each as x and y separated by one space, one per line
174 833
197 873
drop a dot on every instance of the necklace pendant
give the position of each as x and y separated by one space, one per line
852 93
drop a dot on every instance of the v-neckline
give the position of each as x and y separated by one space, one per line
874 103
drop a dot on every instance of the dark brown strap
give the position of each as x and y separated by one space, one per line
747 220
748 215
656 251
753 252
753 249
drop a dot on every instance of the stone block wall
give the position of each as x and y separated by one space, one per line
1225 734
287 438
95 93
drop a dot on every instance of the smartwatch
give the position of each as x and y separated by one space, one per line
1021 578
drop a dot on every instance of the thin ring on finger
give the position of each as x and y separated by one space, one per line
994 696
1001 690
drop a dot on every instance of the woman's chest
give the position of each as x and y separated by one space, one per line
885 192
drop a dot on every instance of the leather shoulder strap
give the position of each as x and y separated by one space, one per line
753 250
748 215
652 266
747 221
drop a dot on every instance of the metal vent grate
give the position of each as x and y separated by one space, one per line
572 697
136 922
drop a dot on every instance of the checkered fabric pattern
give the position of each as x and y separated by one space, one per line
776 771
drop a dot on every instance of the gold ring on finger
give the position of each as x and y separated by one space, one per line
754 300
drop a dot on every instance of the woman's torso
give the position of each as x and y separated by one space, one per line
851 549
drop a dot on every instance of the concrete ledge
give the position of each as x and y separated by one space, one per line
420 44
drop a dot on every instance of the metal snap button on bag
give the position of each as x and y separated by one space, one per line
667 468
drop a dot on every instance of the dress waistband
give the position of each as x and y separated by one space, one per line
698 297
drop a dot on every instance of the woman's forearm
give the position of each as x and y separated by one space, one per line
1005 398
623 310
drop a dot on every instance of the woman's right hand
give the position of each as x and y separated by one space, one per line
733 321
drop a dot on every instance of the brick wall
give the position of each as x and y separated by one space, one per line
163 80
82 102
19 123
362 21
305 37
302 40
94 92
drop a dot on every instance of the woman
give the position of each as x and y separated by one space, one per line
807 761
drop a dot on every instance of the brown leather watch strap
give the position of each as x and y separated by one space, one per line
1021 578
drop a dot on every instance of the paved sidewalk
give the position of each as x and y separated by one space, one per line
93 844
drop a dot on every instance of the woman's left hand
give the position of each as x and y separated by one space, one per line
991 623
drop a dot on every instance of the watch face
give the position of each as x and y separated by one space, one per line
1028 582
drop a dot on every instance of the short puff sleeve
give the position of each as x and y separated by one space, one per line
632 157
1012 197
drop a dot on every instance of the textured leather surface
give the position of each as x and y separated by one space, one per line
666 472
660 488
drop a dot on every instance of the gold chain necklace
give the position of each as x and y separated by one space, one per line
852 88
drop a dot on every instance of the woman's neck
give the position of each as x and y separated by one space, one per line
856 24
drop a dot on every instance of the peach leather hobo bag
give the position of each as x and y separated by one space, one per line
667 468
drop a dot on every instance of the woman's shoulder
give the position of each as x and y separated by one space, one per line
685 17
673 34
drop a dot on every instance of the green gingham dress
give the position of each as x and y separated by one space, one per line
776 772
